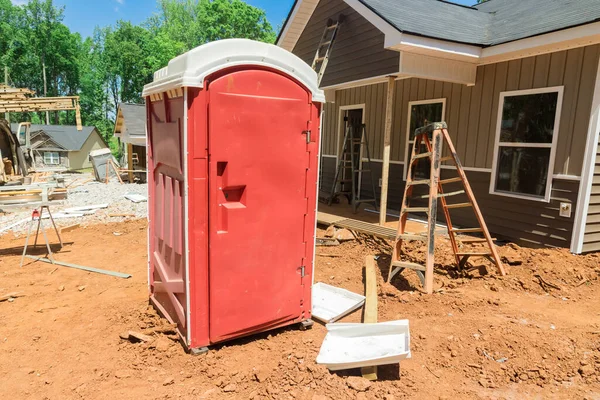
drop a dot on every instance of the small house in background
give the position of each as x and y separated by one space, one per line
63 147
130 128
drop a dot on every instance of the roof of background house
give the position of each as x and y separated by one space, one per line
65 135
490 23
135 117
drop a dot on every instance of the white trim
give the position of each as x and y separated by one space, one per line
497 144
407 141
565 39
186 211
433 47
365 82
303 10
563 177
585 187
388 30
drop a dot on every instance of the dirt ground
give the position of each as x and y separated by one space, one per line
478 337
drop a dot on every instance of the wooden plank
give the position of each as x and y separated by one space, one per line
527 70
542 69
385 177
370 313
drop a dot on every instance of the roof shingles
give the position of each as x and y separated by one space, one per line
490 23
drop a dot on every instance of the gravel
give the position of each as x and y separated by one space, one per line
92 193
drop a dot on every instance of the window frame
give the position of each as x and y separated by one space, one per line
408 142
51 153
552 146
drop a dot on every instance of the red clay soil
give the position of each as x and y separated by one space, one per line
532 334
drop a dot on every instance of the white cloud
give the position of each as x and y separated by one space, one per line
116 9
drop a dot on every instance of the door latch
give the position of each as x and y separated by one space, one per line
307 133
302 271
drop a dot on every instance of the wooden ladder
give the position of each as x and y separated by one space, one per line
426 149
350 170
327 41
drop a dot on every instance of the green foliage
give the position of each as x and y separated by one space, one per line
115 63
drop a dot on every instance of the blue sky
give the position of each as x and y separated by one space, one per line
83 15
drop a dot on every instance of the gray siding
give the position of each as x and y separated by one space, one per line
471 112
591 238
358 52
529 223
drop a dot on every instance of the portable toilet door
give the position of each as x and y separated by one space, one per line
234 132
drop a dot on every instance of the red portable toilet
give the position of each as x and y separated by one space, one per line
233 150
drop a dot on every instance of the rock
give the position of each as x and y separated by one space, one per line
61 288
168 381
343 235
136 337
162 344
124 335
587 370
81 288
330 231
454 353
230 388
123 374
358 383
260 376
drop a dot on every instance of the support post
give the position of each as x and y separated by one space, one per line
387 144
45 91
6 114
130 162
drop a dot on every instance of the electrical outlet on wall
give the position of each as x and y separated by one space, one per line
565 210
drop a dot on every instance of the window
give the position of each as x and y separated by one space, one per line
51 158
526 138
421 113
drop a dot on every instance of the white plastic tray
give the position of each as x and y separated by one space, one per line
330 303
362 345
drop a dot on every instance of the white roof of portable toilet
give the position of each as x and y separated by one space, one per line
190 69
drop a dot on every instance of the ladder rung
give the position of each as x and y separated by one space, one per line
460 205
345 181
450 194
444 159
363 170
318 60
419 182
467 230
473 240
365 201
451 180
325 43
330 27
409 265
415 209
422 155
408 236
473 254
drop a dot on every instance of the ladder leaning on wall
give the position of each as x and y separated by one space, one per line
327 41
428 146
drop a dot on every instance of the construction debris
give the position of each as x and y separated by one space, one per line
81 267
331 303
349 346
10 296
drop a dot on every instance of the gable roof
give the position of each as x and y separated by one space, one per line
134 116
67 136
487 24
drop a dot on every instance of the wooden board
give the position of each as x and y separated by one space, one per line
370 313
